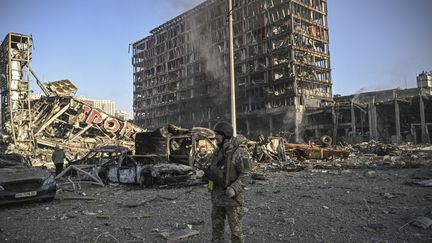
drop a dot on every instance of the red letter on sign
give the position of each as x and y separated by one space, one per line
128 130
94 117
84 112
111 124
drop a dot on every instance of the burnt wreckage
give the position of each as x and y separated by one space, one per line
34 126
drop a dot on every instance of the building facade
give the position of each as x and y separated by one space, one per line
122 115
424 80
282 66
390 116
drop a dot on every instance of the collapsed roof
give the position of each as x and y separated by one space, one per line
34 126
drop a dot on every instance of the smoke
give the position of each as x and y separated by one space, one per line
211 54
355 99
294 121
184 5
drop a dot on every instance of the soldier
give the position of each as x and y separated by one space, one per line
58 157
228 173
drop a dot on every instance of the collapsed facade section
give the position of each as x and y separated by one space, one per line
282 67
391 116
33 127
16 115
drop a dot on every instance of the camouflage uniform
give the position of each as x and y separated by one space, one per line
235 157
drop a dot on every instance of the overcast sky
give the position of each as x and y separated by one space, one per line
374 44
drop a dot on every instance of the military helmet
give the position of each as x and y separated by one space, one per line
224 128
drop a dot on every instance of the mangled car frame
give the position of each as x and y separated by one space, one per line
164 156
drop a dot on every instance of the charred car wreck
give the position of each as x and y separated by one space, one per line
116 164
165 156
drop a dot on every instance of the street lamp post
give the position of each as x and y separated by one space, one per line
231 58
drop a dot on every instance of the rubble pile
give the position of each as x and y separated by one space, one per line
34 126
275 153
374 147
75 125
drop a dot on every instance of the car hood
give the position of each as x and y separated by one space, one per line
11 174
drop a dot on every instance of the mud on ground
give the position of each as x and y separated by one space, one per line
315 205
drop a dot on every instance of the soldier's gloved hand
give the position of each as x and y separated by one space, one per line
230 192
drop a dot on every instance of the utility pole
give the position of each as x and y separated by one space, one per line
231 57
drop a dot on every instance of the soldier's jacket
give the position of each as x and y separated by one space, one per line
233 156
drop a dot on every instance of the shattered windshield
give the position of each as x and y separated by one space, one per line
9 160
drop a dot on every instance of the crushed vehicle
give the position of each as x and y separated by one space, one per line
114 163
176 144
20 181
165 156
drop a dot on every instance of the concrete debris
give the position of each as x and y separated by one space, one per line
179 235
370 174
277 153
374 147
422 222
425 183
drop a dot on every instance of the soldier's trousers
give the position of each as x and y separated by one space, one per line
234 216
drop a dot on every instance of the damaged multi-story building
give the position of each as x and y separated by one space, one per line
391 116
282 67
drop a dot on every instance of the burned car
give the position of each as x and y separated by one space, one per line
113 163
20 181
176 144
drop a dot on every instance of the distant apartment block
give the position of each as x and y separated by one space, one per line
122 115
108 106
424 80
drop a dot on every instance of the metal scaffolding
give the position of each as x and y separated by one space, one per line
15 56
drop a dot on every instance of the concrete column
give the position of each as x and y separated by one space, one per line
299 133
424 136
247 126
397 122
335 125
353 119
373 133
